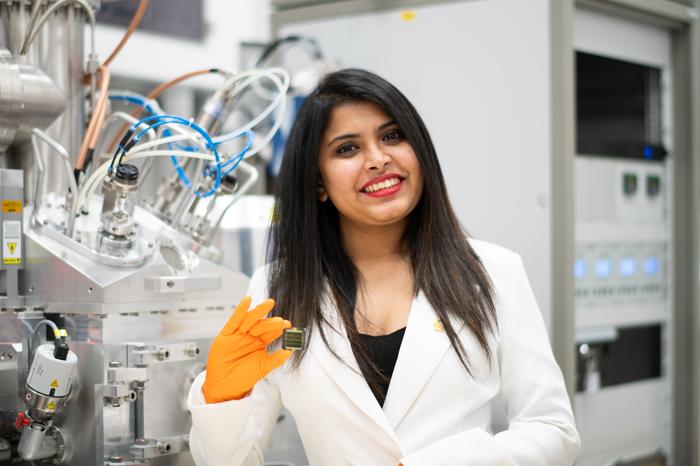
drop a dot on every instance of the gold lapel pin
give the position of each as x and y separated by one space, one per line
437 325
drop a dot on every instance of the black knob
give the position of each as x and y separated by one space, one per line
60 349
127 172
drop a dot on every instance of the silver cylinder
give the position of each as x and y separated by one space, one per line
28 99
34 444
57 50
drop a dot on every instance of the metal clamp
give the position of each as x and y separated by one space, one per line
120 379
144 355
153 448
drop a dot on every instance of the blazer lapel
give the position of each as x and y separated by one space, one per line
424 345
346 372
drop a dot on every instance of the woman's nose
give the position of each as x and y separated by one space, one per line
376 159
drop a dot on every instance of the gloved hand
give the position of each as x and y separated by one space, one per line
238 357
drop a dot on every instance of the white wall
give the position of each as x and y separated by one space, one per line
157 57
478 73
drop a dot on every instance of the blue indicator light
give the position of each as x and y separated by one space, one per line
651 266
603 268
648 152
579 268
628 267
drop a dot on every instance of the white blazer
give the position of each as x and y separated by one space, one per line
435 413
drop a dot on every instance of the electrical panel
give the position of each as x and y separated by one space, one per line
623 243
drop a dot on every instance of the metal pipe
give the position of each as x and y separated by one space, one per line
36 6
41 178
47 14
34 444
69 174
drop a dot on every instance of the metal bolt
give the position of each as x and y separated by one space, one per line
170 283
163 354
114 364
163 447
192 351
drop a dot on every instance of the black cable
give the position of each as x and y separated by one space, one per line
317 54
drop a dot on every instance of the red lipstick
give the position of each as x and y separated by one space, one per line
382 192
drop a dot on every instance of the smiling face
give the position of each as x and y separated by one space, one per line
368 169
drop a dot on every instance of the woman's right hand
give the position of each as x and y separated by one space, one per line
238 357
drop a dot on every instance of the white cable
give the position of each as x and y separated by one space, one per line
88 10
282 87
194 136
103 133
91 184
249 77
278 122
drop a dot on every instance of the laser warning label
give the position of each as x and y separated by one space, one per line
12 242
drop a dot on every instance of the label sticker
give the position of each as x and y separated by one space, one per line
12 206
408 15
54 383
11 241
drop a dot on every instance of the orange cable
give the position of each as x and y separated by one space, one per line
94 128
98 114
140 11
155 92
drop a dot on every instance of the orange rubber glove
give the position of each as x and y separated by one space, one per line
238 357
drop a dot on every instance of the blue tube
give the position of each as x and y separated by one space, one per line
135 100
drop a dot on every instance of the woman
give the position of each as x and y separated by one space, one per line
418 336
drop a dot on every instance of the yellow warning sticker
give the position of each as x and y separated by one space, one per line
51 406
11 241
12 206
54 383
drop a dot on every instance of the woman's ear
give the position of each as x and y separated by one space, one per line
322 193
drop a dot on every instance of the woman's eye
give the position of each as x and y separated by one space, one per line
393 135
346 148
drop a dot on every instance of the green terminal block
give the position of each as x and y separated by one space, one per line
294 338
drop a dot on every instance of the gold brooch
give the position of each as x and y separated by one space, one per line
437 325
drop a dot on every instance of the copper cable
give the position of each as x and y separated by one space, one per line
100 110
154 93
140 11
96 120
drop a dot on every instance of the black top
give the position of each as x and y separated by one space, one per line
383 351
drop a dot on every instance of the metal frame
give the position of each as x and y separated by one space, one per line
563 146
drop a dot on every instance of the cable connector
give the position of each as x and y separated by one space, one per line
93 64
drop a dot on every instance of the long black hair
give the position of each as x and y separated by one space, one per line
305 245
